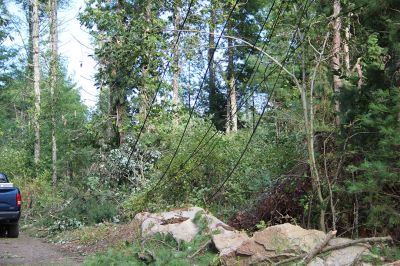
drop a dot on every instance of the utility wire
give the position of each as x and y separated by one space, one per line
158 87
266 76
263 111
257 64
196 99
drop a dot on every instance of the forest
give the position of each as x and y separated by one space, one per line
261 112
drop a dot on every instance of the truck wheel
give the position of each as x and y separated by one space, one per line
13 230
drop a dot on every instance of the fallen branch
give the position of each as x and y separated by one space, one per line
358 241
340 246
317 249
200 249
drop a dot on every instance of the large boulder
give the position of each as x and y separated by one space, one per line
344 256
273 244
288 238
180 223
285 241
228 242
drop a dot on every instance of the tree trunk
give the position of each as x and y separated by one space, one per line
231 116
308 112
120 112
29 14
144 94
36 78
336 65
346 48
212 92
117 97
176 66
53 83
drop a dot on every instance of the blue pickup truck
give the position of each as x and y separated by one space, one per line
10 208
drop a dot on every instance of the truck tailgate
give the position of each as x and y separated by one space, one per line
8 199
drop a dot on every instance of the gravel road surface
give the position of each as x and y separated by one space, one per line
26 250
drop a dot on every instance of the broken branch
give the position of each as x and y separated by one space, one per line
317 249
340 246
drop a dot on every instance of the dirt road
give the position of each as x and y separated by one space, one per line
26 250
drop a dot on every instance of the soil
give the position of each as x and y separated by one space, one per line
98 238
26 250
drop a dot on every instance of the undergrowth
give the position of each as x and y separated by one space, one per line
158 250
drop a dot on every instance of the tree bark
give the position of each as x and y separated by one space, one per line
340 246
336 49
346 48
231 107
53 83
36 78
212 93
144 94
120 101
120 112
176 66
317 249
357 67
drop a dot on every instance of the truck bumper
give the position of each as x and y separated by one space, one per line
9 217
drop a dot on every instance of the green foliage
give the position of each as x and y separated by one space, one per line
375 53
194 181
15 162
157 250
378 173
390 253
126 166
90 208
261 225
371 125
201 221
68 207
103 179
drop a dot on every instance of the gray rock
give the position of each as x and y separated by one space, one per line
344 256
272 244
179 223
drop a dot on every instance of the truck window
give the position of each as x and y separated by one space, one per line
3 178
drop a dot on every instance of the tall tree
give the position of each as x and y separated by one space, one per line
216 103
211 49
176 65
231 106
53 83
36 77
118 102
144 90
336 52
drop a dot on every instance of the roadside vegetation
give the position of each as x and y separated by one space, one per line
296 118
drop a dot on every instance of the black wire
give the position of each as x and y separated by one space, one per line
195 151
158 87
198 148
262 113
244 65
196 99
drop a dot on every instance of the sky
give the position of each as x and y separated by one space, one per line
74 46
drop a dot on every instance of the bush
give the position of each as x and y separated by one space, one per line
194 181
70 208
126 166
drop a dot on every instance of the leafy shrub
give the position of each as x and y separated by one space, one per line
70 208
127 166
205 159
91 209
